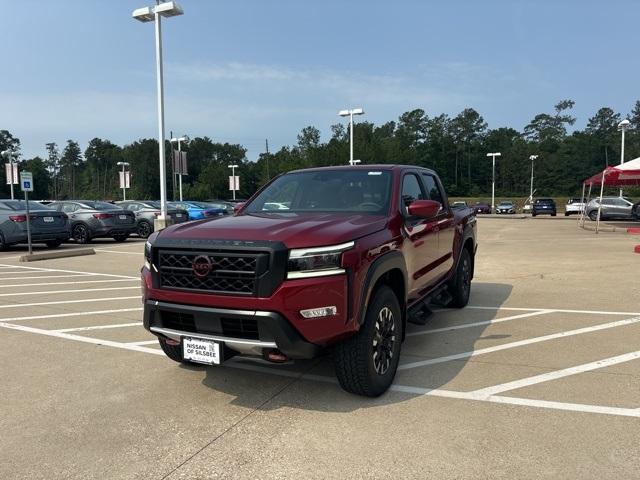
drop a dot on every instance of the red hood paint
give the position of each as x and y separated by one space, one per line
295 231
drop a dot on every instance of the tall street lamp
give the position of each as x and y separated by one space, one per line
350 113
123 179
154 14
233 182
493 183
623 126
533 159
181 169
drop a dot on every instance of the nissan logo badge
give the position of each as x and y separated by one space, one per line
202 266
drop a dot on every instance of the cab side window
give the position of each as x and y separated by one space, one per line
69 207
411 190
433 190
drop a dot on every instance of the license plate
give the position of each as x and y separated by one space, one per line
47 219
178 215
123 217
200 350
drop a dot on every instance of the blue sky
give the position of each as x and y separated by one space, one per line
242 71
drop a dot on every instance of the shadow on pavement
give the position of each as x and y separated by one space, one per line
234 381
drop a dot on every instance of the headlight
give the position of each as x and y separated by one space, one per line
317 262
147 255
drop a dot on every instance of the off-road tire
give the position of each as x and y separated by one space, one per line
81 233
460 286
174 352
53 243
359 363
144 229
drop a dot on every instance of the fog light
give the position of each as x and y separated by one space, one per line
319 312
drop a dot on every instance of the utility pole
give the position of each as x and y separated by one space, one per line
266 144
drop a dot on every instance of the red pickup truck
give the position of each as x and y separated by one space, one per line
334 257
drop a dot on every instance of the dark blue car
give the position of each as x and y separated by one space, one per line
543 206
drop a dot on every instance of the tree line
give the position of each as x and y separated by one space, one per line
455 147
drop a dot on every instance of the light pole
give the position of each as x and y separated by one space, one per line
153 14
533 159
179 141
11 178
622 126
493 182
350 113
233 179
124 179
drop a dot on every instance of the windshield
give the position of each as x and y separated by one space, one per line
339 191
506 204
21 205
157 204
101 205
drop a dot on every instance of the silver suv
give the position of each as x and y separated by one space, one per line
612 208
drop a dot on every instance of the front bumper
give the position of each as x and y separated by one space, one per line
268 330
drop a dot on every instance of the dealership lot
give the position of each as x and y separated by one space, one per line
539 377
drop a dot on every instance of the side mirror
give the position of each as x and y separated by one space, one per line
424 208
237 207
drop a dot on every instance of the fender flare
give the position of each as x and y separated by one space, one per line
466 235
377 269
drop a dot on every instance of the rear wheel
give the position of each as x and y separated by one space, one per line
80 233
593 215
460 287
366 363
3 244
533 214
144 229
174 352
553 214
121 238
53 243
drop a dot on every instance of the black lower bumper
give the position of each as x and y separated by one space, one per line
238 329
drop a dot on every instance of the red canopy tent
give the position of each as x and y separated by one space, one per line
627 174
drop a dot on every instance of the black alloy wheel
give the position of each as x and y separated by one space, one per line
81 233
384 340
144 229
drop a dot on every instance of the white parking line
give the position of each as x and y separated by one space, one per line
99 327
68 283
559 310
140 253
520 343
72 271
45 276
478 324
565 372
68 291
144 342
71 314
64 302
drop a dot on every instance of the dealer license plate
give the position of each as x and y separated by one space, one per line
48 219
200 350
179 215
123 217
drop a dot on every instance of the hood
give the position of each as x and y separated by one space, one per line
294 230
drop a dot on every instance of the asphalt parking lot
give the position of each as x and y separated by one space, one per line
538 378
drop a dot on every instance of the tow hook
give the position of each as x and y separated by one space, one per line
275 356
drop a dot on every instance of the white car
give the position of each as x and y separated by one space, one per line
574 205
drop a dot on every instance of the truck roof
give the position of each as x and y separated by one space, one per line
383 166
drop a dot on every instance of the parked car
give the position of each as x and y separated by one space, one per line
527 208
342 268
506 207
47 225
613 208
635 211
574 205
481 207
199 210
146 211
228 206
92 219
459 204
543 206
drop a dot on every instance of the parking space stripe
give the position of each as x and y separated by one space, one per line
520 343
65 302
478 324
99 327
45 276
73 271
566 372
144 342
68 283
71 314
559 310
49 292
140 253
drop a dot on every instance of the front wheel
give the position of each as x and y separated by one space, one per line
53 243
593 215
366 363
460 287
121 238
80 233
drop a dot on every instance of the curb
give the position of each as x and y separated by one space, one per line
73 252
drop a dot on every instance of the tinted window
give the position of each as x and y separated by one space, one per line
342 191
411 189
69 207
433 191
100 205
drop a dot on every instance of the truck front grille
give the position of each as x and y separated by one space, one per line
219 272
